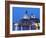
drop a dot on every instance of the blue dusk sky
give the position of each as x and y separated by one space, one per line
18 12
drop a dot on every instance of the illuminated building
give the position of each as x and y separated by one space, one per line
27 23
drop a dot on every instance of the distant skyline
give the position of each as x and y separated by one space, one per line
18 12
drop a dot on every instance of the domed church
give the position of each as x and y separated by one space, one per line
27 23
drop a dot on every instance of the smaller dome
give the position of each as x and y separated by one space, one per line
33 16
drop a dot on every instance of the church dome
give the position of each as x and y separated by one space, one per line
26 16
16 24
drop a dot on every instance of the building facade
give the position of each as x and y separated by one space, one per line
27 23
